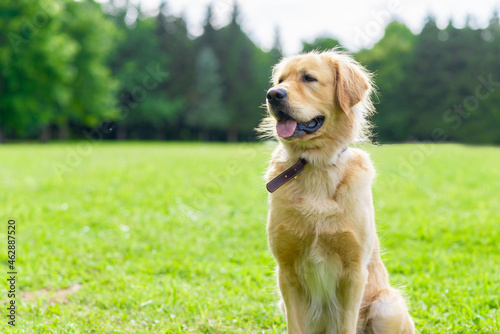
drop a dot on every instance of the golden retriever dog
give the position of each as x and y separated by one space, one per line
321 222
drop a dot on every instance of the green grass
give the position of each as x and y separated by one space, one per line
170 238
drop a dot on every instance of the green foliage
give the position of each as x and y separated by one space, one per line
439 85
65 63
52 64
390 60
93 90
31 55
142 70
243 84
276 52
185 251
208 111
320 44
428 71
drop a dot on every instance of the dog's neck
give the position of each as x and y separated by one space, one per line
295 170
318 156
337 155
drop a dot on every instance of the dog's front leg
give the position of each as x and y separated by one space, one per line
294 298
351 289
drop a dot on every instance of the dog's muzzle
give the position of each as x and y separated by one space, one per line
276 96
287 126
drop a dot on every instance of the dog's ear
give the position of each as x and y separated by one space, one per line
352 82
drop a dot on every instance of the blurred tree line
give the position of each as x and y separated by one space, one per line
442 85
71 68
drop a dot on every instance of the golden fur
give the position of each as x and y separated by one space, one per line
321 225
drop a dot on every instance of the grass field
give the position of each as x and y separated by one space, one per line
170 238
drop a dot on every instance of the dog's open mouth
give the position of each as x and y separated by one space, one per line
287 127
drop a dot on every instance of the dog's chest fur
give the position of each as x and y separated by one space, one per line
319 275
314 228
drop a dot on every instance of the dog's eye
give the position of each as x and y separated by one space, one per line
280 81
308 78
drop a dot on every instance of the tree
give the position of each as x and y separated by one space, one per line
491 36
35 79
142 70
320 44
471 61
243 85
390 59
449 69
93 97
210 37
174 42
277 50
209 112
428 84
52 65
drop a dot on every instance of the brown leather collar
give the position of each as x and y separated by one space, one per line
290 173
286 176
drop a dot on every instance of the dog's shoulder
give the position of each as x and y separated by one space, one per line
356 168
279 163
358 158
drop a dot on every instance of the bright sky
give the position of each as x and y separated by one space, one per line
356 24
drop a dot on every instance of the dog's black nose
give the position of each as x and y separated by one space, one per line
276 95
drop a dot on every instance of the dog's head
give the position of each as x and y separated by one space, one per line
318 102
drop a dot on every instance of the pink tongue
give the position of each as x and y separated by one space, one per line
286 128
